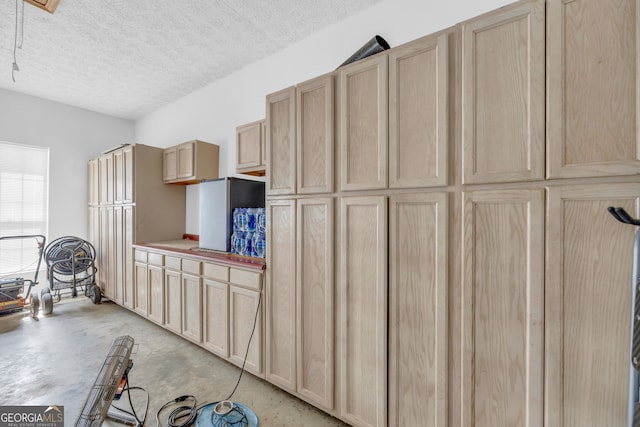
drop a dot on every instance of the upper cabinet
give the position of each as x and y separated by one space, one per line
503 95
418 113
314 142
592 64
190 162
250 147
363 124
281 142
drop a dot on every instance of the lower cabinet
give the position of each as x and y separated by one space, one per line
140 287
156 293
215 309
192 307
243 314
210 304
173 300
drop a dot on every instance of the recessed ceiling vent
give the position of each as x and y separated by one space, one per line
48 5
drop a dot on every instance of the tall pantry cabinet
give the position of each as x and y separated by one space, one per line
472 169
300 217
125 195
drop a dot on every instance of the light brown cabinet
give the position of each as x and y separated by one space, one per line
173 299
503 95
314 135
250 144
363 124
215 309
281 142
593 97
419 113
280 342
155 309
141 286
190 162
243 314
362 311
192 307
587 304
315 337
125 195
502 303
299 340
93 184
418 310
210 304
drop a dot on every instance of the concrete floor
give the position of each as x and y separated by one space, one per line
55 360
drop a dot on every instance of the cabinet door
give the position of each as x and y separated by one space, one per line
362 305
215 310
502 308
169 164
192 307
105 173
141 288
593 98
127 173
503 84
118 176
118 255
418 312
587 310
314 125
173 300
248 145
127 291
108 256
419 113
363 124
263 143
94 230
185 154
93 182
280 342
156 294
244 324
314 300
281 142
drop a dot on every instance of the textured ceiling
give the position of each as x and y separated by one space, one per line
127 58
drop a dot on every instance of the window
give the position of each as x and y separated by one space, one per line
24 195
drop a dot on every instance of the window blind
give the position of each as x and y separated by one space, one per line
24 194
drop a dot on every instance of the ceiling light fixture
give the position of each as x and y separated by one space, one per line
48 5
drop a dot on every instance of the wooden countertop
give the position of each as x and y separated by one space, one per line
190 248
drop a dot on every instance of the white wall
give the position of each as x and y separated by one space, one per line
212 113
73 136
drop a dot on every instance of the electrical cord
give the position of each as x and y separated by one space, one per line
133 410
246 354
182 416
191 412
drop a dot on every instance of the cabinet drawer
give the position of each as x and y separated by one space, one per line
190 266
140 256
215 271
156 259
249 279
172 262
